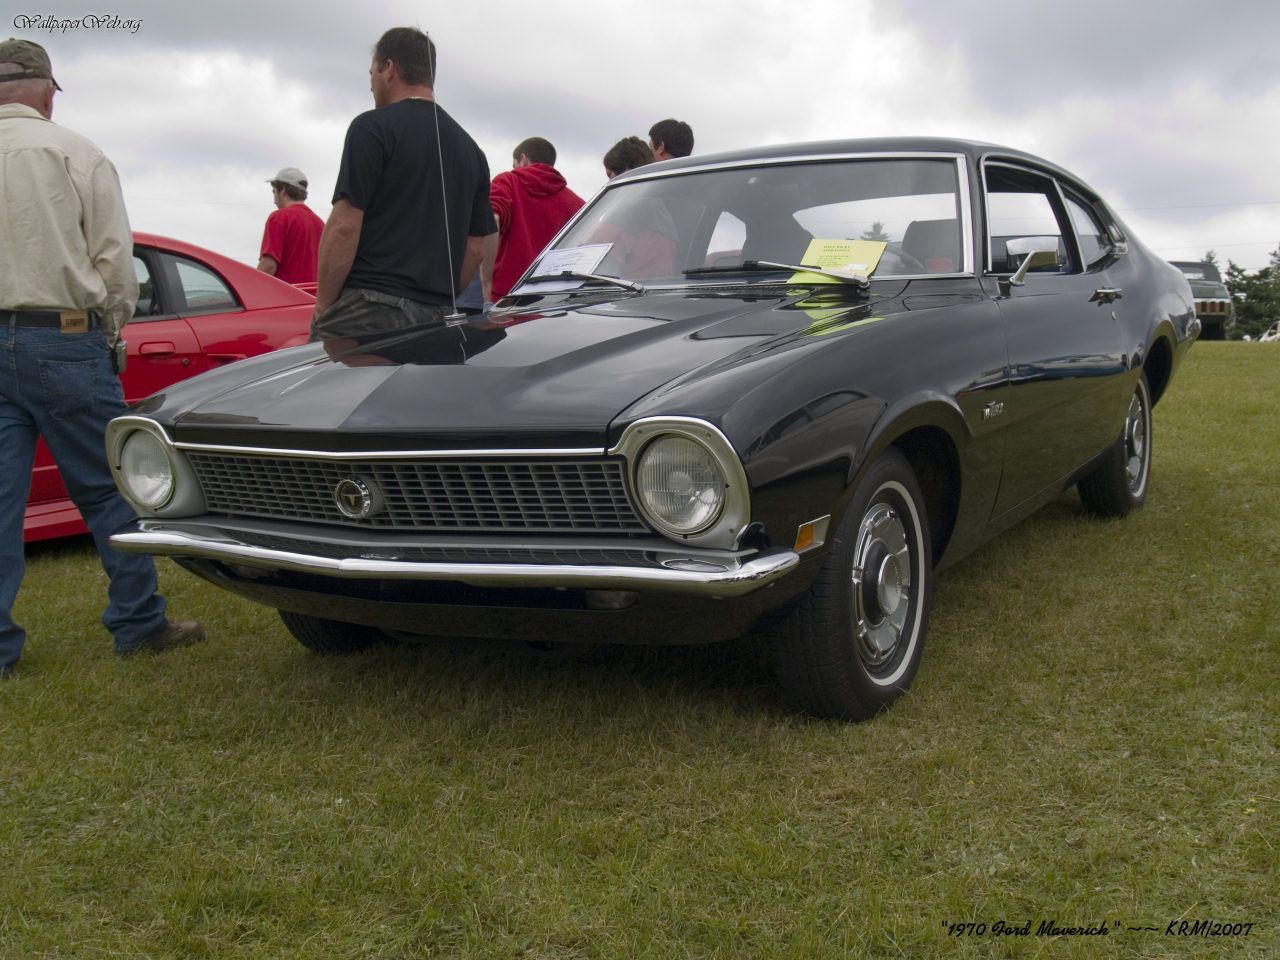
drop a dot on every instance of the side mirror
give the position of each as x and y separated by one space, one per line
1035 252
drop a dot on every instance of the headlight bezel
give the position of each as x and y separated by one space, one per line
185 499
735 509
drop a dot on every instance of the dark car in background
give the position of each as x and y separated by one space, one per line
1198 270
1214 307
196 310
778 388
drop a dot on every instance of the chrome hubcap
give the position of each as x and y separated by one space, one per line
882 584
1135 443
889 591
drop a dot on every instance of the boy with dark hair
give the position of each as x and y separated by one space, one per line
535 150
531 202
670 138
626 154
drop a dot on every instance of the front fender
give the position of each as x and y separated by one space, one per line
958 472
927 408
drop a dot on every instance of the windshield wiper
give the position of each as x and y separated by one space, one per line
746 265
575 275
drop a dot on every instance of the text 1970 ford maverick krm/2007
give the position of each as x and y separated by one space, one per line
778 388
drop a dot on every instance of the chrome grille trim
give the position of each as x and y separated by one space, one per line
539 453
540 494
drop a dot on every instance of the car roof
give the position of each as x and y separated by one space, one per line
210 257
975 150
1205 271
256 289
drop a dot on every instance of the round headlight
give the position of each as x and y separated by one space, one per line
680 485
145 470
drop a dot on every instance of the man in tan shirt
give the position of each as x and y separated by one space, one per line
67 287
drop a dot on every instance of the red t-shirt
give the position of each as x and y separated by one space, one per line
532 204
292 239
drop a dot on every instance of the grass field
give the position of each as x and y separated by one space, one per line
1093 738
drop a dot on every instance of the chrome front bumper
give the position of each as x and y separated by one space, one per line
673 570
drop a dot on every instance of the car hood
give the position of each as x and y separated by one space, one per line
558 375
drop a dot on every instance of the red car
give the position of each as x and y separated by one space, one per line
196 310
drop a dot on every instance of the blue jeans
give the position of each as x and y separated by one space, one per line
61 387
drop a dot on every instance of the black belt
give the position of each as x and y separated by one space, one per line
43 318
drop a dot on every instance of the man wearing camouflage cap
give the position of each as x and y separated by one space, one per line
67 287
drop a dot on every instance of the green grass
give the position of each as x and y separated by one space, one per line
1093 736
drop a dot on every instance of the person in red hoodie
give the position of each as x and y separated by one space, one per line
531 202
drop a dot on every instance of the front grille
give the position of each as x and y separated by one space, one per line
534 494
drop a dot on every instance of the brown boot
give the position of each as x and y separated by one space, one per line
180 634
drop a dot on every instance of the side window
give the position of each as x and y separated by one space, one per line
726 241
148 302
1022 205
202 289
1095 243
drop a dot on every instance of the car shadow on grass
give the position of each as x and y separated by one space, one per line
580 678
588 682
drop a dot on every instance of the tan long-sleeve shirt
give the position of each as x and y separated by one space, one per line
65 242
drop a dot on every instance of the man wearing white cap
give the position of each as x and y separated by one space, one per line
291 239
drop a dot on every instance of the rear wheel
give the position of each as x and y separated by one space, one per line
1118 485
330 636
853 643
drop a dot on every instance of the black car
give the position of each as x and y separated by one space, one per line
1215 309
781 387
1198 270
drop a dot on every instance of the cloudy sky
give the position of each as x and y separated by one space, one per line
1168 107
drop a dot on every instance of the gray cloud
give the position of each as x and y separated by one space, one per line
1024 56
1156 105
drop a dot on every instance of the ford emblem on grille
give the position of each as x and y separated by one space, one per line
357 498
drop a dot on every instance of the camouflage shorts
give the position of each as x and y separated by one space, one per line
359 313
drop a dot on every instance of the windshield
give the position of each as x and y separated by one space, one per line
897 217
1209 289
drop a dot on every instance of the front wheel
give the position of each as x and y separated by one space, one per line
853 643
330 636
1118 484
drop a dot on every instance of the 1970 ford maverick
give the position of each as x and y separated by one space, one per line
777 388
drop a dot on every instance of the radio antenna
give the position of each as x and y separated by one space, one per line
444 194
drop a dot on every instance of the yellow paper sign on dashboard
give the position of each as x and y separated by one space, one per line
859 257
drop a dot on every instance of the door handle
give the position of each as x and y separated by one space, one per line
157 348
1106 295
227 357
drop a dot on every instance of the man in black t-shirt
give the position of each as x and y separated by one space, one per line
411 206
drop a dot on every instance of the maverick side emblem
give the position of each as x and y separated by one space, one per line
357 498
